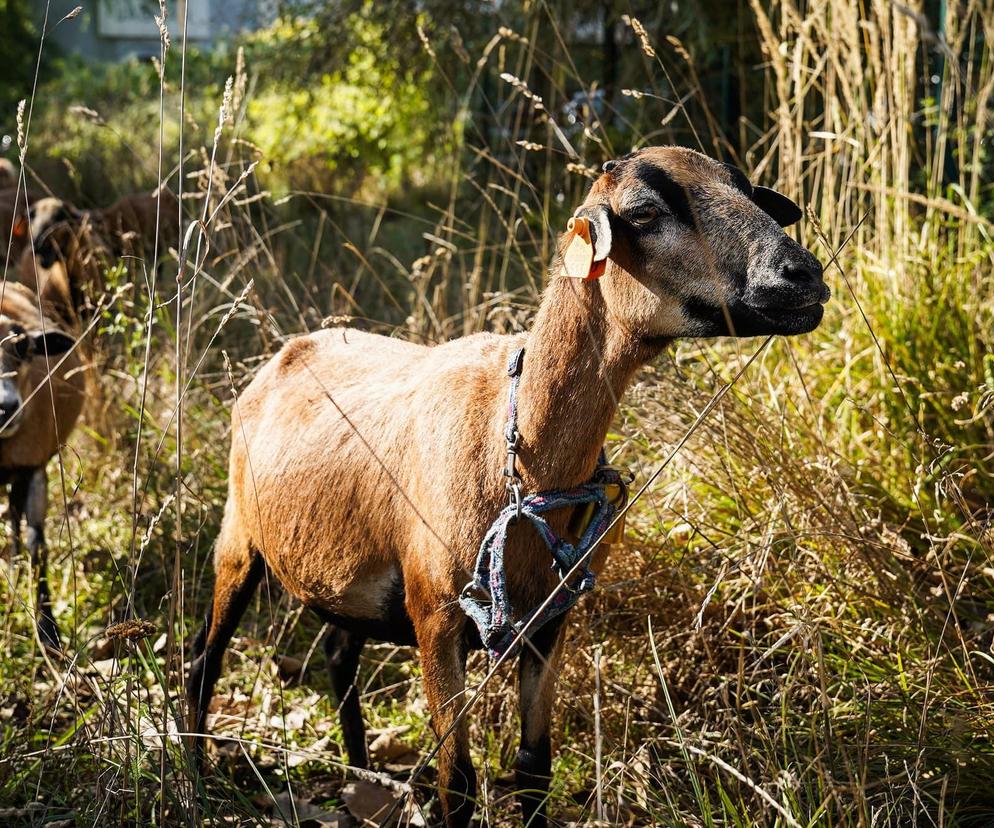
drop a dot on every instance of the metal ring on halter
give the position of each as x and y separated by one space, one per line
473 586
514 487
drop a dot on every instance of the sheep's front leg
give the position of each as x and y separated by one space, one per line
29 497
18 498
538 671
443 666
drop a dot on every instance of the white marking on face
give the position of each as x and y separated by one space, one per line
10 404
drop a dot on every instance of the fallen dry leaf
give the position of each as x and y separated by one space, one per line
402 764
387 747
292 720
290 810
102 649
151 732
370 804
106 667
310 754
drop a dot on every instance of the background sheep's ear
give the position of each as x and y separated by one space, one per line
51 343
784 211
600 229
46 253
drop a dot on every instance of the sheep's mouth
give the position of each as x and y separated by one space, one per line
824 294
744 319
784 321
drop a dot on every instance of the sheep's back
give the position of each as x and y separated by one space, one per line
351 451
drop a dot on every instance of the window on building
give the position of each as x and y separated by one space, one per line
136 18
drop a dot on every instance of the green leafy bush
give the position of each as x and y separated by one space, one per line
18 46
370 116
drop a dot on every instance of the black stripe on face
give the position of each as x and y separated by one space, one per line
669 190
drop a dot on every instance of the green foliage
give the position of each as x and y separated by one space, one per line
369 119
100 122
370 116
18 56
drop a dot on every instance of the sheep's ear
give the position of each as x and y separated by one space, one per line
46 253
51 343
600 229
589 245
784 211
739 178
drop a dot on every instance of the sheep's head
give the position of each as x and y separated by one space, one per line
18 347
693 249
53 226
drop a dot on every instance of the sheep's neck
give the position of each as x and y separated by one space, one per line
577 365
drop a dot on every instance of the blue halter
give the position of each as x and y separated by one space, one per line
495 618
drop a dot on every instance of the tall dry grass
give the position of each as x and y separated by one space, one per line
799 630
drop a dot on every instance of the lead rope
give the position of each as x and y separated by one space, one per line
495 618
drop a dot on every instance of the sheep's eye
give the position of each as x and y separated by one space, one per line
17 344
20 345
645 214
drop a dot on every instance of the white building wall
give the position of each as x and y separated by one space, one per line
118 29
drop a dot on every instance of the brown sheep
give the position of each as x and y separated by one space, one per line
86 242
67 255
129 224
41 396
365 471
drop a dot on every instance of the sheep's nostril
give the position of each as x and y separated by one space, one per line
801 274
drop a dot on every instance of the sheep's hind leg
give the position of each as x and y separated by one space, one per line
29 498
237 572
343 649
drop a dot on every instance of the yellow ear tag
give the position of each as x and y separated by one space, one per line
578 260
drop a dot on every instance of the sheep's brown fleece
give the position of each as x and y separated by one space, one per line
75 278
92 241
42 432
49 397
427 422
128 225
